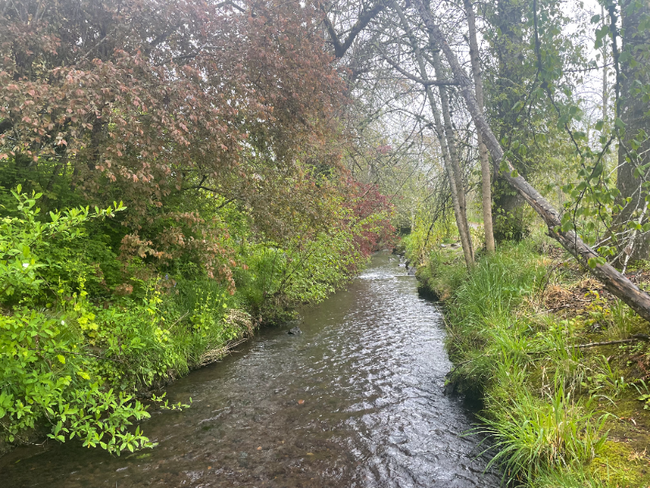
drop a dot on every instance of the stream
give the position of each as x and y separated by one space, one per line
356 400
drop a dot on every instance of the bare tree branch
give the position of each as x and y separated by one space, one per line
364 19
411 76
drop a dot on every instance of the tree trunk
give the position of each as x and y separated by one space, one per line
486 184
455 184
454 159
634 144
509 223
615 282
605 71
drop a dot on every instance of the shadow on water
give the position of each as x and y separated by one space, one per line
356 400
428 294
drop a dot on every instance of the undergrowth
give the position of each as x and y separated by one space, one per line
558 415
85 333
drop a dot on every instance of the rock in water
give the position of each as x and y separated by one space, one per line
295 331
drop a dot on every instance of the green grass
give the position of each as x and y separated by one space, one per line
545 404
534 434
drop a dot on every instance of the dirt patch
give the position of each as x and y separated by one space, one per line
569 301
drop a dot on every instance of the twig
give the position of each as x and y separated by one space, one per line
178 320
547 278
633 338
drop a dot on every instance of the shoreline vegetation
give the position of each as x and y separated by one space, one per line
559 366
88 338
165 188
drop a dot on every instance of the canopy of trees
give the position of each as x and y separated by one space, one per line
261 150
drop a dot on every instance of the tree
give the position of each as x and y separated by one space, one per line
157 103
486 190
614 281
512 71
446 136
633 88
401 49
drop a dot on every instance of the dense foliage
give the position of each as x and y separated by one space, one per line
215 127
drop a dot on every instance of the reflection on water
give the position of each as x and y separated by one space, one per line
355 401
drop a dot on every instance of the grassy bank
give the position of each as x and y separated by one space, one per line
531 337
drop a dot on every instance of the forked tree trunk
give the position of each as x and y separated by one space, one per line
456 186
615 282
486 184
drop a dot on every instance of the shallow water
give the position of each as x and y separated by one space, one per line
355 401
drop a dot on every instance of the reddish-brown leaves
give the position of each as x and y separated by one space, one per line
145 99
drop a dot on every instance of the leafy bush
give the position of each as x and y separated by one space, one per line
47 369
34 255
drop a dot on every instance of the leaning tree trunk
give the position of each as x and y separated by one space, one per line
448 151
486 186
615 282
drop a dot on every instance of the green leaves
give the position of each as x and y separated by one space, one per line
619 124
45 369
596 261
567 222
601 33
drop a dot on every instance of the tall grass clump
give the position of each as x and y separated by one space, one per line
499 282
534 434
481 310
523 368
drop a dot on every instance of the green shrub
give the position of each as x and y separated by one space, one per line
82 332
47 370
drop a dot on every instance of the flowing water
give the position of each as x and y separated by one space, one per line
355 401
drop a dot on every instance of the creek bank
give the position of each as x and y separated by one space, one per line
560 414
243 327
92 316
229 328
355 400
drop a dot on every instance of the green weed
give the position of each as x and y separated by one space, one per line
534 434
